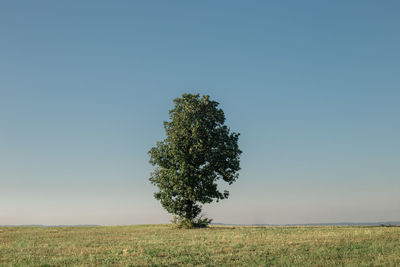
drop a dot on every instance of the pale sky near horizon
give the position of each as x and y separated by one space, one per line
312 86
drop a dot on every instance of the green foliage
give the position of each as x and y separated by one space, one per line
198 151
181 222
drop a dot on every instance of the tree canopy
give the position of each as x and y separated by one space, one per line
198 151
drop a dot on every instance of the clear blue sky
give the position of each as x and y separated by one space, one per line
312 86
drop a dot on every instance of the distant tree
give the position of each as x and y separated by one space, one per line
198 150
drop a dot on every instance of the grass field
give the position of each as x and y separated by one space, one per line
158 245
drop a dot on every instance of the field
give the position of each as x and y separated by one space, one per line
160 245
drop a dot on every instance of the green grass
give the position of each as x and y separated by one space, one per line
160 245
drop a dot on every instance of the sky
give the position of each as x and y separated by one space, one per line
313 87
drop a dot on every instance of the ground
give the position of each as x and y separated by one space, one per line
161 245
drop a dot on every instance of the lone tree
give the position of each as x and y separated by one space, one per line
198 151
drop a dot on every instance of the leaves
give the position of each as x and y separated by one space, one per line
198 150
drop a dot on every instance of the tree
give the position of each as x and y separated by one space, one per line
198 151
